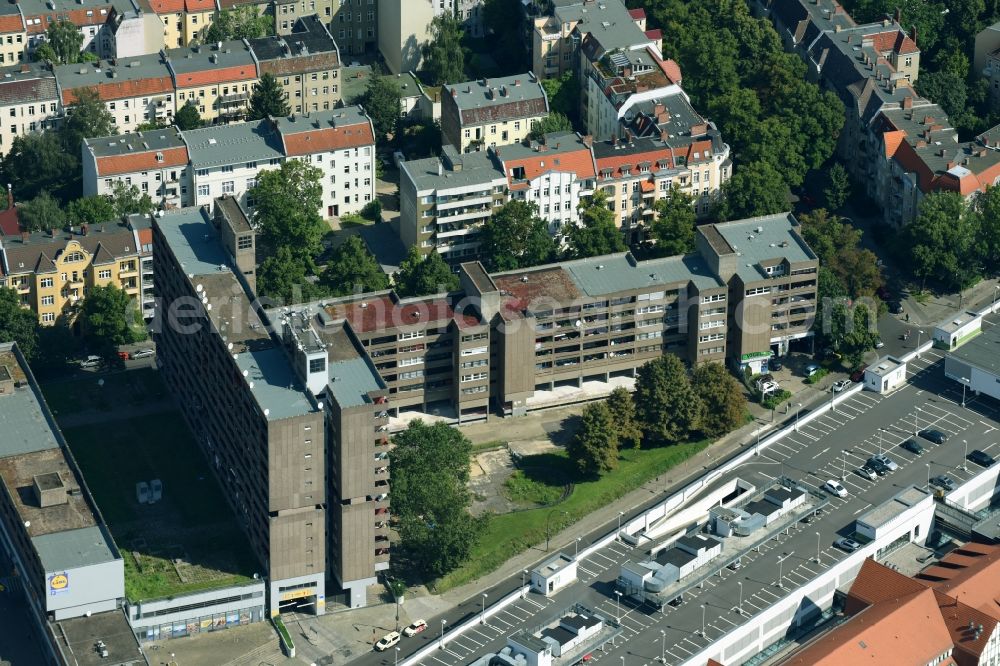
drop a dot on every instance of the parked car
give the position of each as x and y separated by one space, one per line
90 362
142 353
387 641
844 543
981 458
834 488
884 460
879 468
935 436
676 601
895 307
859 374
735 565
912 446
811 369
769 387
867 472
879 344
415 628
774 365
764 379
943 481
841 385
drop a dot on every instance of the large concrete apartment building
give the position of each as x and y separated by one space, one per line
291 422
67 571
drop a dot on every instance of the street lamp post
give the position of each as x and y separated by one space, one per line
756 450
965 457
482 620
781 571
916 424
618 534
996 290
618 605
524 572
703 620
965 382
443 622
919 333
880 441
739 609
396 660
817 547
843 466
623 660
928 466
663 646
798 406
576 551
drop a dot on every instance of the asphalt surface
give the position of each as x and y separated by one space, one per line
824 449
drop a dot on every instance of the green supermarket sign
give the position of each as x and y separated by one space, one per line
747 357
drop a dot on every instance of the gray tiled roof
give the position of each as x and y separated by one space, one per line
23 423
607 21
31 86
87 75
230 144
308 37
41 249
612 273
186 60
478 168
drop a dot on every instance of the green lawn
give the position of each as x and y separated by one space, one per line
129 389
509 534
524 489
192 522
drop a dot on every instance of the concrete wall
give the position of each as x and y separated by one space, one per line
92 589
147 617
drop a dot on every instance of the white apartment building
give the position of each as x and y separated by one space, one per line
29 102
156 162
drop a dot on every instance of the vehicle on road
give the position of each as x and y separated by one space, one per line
835 488
932 435
90 362
895 307
867 472
879 468
387 641
879 344
142 353
415 628
943 481
811 369
859 374
982 458
844 543
884 460
912 446
841 385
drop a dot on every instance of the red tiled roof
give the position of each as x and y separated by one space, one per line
577 161
655 34
970 573
78 17
221 75
637 14
385 313
143 161
167 6
328 138
616 161
11 23
893 40
10 225
124 89
669 67
199 5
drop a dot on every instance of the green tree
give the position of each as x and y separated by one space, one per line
554 122
18 324
37 162
946 89
268 99
986 206
838 246
564 94
110 318
188 118
128 200
443 55
286 214
430 496
723 397
623 416
673 228
381 102
596 234
353 269
95 209
943 243
422 276
86 118
838 189
65 40
45 53
283 278
667 406
858 337
515 237
41 213
594 448
372 211
754 189
243 22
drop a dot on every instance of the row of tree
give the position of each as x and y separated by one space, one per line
670 405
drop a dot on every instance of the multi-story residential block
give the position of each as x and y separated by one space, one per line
305 62
65 569
183 20
218 78
135 91
13 35
134 32
155 162
470 13
986 60
341 143
90 16
354 26
444 201
553 173
142 227
29 102
404 27
491 112
294 422
52 271
288 12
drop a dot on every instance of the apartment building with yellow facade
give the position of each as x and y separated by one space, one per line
217 78
183 20
52 271
487 113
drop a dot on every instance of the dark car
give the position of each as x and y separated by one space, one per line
878 466
935 436
982 458
912 446
895 307
676 601
858 374
943 481
774 365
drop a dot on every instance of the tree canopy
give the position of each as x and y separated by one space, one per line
381 103
91 210
516 237
838 188
564 96
623 415
86 118
241 22
430 497
188 118
673 227
554 122
667 405
111 317
352 269
723 398
594 447
37 162
268 99
838 246
42 213
283 277
18 324
63 43
444 56
944 243
754 189
286 213
128 200
421 276
596 234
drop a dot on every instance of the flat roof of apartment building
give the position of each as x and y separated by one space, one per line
759 240
351 380
600 276
254 141
384 312
193 241
273 384
438 173
889 510
608 21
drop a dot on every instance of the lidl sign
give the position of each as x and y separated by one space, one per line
58 583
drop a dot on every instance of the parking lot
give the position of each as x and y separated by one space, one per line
832 446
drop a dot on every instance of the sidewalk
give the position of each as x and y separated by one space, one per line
938 307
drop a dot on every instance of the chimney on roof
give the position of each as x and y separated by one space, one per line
664 136
517 82
908 102
24 236
83 229
52 233
658 108
454 93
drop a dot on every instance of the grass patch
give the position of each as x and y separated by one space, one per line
349 220
134 388
286 637
509 534
186 542
775 399
816 376
491 445
523 489
921 297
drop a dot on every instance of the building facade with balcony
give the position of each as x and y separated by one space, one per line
217 78
306 63
52 271
155 162
491 112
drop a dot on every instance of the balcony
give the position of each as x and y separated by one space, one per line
474 199
131 271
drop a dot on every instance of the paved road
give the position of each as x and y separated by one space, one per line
820 450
